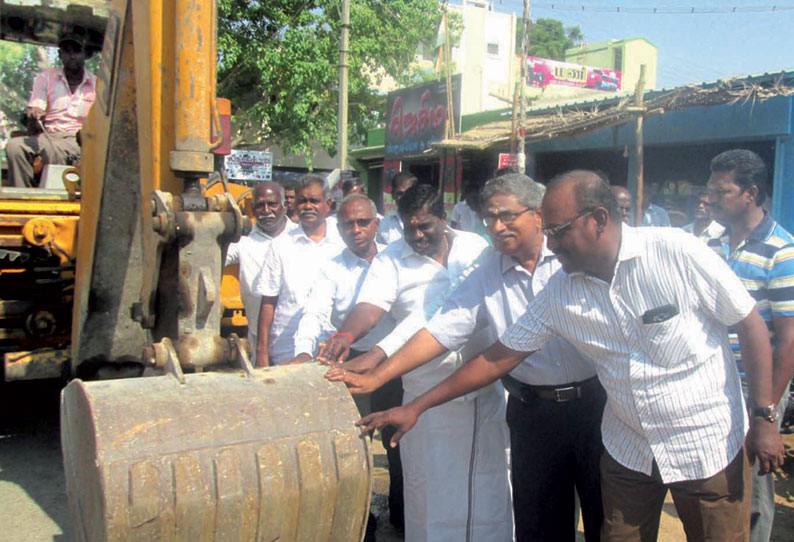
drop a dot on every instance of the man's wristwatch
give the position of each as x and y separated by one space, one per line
769 413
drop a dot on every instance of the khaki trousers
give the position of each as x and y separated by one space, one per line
713 509
53 149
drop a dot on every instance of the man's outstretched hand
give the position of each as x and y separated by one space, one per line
403 418
336 349
357 383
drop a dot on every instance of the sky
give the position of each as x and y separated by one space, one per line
692 48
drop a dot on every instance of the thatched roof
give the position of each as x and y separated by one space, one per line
582 117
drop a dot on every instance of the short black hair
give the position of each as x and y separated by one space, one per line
401 177
350 184
591 190
421 196
309 179
748 170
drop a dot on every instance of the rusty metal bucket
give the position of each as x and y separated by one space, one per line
222 456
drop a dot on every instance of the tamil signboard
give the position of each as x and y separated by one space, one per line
542 72
249 165
417 117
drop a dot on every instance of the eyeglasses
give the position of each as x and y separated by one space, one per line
505 217
559 230
360 222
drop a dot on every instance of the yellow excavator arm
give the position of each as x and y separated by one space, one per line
194 444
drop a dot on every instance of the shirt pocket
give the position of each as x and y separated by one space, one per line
668 343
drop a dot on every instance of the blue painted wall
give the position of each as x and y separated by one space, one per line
770 120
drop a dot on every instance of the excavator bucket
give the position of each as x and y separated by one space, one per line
215 456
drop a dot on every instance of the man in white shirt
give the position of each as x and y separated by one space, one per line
555 405
464 213
249 252
334 293
290 268
651 308
332 297
703 227
454 467
391 227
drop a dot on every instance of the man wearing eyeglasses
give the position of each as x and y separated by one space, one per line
455 463
555 404
290 268
651 308
334 293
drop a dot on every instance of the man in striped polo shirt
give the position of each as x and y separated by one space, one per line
761 253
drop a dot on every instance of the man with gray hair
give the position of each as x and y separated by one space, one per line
290 268
249 252
555 403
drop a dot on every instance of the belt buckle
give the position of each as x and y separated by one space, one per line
562 399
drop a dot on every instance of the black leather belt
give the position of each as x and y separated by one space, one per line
559 394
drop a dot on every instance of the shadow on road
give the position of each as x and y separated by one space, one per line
30 452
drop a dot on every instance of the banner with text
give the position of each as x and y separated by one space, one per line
249 165
542 72
417 117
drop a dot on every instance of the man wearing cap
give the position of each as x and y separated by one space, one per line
58 104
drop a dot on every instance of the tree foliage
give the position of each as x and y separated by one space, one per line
18 66
278 63
548 38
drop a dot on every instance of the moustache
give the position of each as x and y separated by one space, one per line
265 216
308 213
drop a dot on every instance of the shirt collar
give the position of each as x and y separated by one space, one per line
760 233
87 76
630 243
630 247
351 259
407 251
508 262
763 230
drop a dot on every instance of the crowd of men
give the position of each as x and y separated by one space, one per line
577 355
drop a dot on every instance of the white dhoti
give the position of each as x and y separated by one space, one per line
455 472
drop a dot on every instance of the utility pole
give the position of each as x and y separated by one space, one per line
638 102
522 160
342 113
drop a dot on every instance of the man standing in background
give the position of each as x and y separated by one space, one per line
250 250
391 227
761 253
703 226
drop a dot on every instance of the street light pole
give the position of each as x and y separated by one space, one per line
342 113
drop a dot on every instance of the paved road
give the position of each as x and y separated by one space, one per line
33 497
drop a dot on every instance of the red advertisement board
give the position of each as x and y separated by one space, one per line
542 72
507 160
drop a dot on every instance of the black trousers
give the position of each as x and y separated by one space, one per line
554 448
388 396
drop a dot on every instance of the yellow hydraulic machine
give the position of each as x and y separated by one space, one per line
168 433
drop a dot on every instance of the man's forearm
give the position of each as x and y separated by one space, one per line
756 358
493 363
782 355
420 348
265 322
361 320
